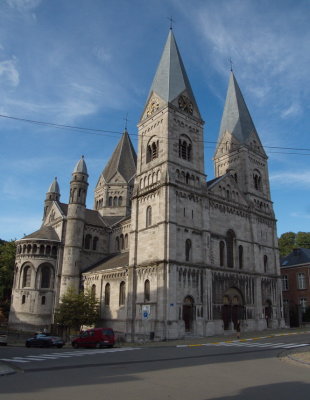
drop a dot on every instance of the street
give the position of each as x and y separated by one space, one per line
250 369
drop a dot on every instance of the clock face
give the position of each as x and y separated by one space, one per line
153 106
185 104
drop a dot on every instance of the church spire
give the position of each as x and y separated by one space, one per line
170 79
236 119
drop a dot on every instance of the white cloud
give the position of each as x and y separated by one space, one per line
9 73
300 215
291 178
292 111
23 5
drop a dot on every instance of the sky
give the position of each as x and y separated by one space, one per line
89 63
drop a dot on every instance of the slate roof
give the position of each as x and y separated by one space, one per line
92 217
296 257
54 188
44 233
112 261
236 117
123 160
112 220
81 166
170 78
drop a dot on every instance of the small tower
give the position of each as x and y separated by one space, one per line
53 194
70 274
114 187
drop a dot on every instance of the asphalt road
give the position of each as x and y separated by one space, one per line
237 370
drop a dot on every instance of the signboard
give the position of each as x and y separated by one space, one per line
146 311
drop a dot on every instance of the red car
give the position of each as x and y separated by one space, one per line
96 337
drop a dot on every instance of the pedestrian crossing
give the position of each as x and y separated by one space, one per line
66 354
249 343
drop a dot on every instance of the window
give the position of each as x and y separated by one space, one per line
230 248
188 248
95 241
148 216
126 241
122 293
147 294
185 148
23 299
93 290
87 241
117 243
110 201
265 263
257 180
284 282
107 294
122 242
45 277
152 149
115 201
301 281
120 201
222 253
43 299
303 304
26 277
240 257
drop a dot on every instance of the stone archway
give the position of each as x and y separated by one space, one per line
188 313
233 308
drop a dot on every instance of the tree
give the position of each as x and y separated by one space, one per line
77 309
290 240
7 262
286 243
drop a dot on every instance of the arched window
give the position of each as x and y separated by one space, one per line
54 251
42 249
110 201
147 291
45 277
126 241
93 290
95 241
185 148
122 242
26 277
265 263
87 241
117 243
120 201
188 250
34 249
230 239
23 299
48 250
222 253
149 216
43 299
122 293
240 257
115 201
107 294
257 180
152 149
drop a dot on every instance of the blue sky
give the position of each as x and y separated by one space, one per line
88 63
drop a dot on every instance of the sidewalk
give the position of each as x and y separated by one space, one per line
301 356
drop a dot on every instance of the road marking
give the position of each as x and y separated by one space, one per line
55 356
237 343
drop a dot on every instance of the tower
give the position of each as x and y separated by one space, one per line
114 187
53 194
70 274
167 206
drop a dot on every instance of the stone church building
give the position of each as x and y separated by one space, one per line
166 251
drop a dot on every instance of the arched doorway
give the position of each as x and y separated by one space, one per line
188 313
268 313
233 308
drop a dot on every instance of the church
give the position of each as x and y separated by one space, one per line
167 252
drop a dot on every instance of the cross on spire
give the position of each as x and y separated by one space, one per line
171 22
231 64
126 120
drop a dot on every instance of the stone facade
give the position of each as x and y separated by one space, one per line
167 252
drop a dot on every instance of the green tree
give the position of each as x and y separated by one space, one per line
77 309
286 243
7 262
303 240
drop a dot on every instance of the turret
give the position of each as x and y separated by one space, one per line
53 194
70 274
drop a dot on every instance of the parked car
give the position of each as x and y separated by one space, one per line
96 337
45 340
3 339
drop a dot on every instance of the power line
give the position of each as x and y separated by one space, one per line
100 132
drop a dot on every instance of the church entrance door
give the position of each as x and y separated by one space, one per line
188 313
232 309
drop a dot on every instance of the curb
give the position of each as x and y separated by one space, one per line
5 370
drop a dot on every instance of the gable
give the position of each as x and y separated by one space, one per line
226 188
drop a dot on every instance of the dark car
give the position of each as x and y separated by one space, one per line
3 339
96 337
44 340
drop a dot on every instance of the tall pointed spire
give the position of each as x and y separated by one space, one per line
123 160
236 118
170 78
